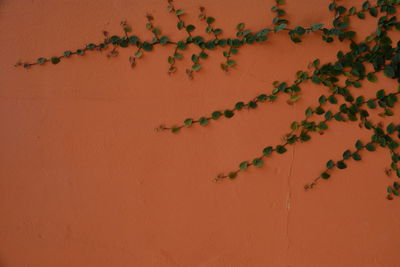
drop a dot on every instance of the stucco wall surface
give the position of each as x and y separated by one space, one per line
86 181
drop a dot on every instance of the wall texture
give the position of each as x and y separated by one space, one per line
86 181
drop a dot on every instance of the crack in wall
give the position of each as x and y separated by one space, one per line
289 200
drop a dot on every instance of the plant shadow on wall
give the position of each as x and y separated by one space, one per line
376 53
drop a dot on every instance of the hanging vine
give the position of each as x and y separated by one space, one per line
349 70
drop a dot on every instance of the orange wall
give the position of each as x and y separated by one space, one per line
86 181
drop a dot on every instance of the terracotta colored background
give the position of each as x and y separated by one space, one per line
86 181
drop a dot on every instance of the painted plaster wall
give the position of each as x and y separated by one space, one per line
86 181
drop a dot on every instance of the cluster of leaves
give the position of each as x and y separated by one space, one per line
382 137
339 104
377 51
213 40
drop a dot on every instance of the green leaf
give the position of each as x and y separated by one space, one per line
257 162
263 32
332 99
195 58
330 164
239 105
230 62
325 175
203 121
347 154
341 165
371 77
164 40
316 27
267 151
389 190
240 26
188 122
210 20
294 98
156 31
138 54
323 126
322 99
369 38
308 112
299 30
179 12
393 145
315 79
216 114
295 39
365 5
178 55
252 105
262 98
360 100
280 149
360 15
371 104
171 60
217 31
244 165
203 55
55 60
196 67
180 25
373 11
356 156
91 46
67 53
280 27
147 46
370 147
114 39
340 10
175 129
319 111
391 128
338 117
181 45
41 60
234 51
396 185
132 40
190 28
229 113
294 126
388 112
316 63
380 94
389 71
359 145
304 137
328 115
232 175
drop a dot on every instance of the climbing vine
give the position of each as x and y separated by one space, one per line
350 70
